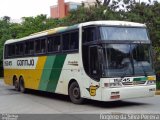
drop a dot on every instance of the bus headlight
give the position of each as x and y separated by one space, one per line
151 82
113 85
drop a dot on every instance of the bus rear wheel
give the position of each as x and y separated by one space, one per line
22 85
74 93
16 83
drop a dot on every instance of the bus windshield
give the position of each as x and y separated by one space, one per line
126 60
123 33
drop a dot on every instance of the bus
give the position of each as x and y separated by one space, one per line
98 60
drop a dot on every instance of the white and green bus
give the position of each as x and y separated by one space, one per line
99 60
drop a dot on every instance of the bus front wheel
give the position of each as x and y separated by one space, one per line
74 93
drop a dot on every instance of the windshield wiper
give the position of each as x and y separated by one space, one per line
124 74
145 73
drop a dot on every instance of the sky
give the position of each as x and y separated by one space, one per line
16 9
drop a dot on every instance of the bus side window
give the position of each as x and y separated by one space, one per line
6 51
26 47
11 50
29 47
89 34
19 49
65 40
54 44
37 46
40 46
70 41
57 43
50 44
74 43
43 46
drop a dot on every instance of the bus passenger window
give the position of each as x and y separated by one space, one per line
54 44
57 44
26 46
43 46
11 51
40 46
6 51
74 41
50 44
19 49
29 48
65 39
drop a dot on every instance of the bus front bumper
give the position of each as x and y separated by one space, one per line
113 94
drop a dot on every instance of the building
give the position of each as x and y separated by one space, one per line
62 8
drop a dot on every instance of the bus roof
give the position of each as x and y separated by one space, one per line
114 23
63 29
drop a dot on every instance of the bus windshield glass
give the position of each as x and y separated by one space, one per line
126 60
123 33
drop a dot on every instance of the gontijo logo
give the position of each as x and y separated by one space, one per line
25 62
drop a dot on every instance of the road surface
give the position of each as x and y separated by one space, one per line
35 102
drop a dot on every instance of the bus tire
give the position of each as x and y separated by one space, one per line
22 85
74 93
16 83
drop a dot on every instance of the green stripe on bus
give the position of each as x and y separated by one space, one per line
55 73
46 72
140 79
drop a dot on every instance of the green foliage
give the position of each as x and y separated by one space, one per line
158 85
5 34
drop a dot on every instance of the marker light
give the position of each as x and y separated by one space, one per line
151 78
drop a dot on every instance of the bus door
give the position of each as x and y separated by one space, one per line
94 71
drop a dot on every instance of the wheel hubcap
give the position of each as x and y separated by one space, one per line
76 92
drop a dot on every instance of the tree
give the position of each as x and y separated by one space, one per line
105 2
6 18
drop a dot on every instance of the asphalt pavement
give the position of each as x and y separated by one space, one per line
36 102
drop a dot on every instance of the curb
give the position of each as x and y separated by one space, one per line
157 92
